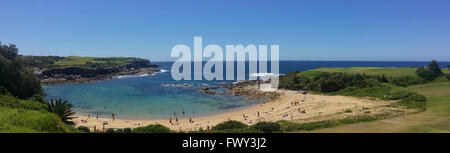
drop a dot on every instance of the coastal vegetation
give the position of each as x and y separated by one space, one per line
22 106
63 109
24 109
407 85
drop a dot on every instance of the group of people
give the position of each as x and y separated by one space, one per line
176 119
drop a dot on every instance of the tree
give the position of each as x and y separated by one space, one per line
382 78
63 109
10 52
426 74
19 80
434 67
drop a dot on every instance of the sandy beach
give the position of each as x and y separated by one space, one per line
309 108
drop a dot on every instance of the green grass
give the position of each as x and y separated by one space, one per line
81 61
292 126
436 92
438 96
14 120
388 71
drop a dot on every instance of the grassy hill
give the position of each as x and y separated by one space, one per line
434 119
93 62
388 71
80 61
28 116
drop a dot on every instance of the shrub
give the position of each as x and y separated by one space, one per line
447 76
229 125
126 130
400 95
39 98
382 78
19 80
291 126
63 109
13 102
410 99
157 128
426 74
431 72
378 92
110 130
417 98
84 129
434 67
407 81
3 91
239 130
267 127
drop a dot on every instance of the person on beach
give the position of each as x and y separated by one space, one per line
176 119
258 113
97 116
183 113
113 116
89 115
170 120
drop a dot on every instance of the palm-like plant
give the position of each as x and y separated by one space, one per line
62 109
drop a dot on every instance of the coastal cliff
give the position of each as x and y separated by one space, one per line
74 69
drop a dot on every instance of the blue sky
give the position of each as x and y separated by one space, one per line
305 30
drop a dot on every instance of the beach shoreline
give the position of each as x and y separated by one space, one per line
294 106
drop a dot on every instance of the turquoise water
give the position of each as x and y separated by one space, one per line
146 97
158 96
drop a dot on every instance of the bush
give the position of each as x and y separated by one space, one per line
447 76
19 80
110 130
431 72
291 126
3 91
407 81
39 98
410 99
426 74
400 95
126 130
229 125
434 67
267 127
13 102
84 129
417 98
157 128
240 130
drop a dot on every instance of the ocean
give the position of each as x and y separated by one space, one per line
158 96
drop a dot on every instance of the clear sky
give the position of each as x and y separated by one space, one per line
304 29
